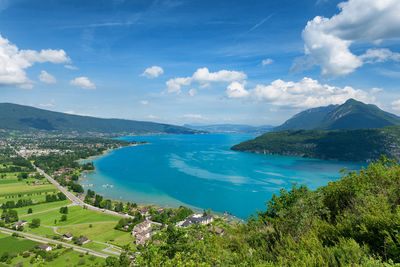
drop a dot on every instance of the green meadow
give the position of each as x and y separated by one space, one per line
102 232
76 215
12 244
43 206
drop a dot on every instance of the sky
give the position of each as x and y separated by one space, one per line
252 62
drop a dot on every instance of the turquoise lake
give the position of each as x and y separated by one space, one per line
201 171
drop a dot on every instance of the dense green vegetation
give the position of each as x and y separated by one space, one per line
348 116
25 118
345 145
353 221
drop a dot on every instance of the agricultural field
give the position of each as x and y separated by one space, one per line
76 215
102 232
23 211
67 257
12 244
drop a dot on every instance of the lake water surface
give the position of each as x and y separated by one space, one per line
201 171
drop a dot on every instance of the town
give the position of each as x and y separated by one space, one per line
49 217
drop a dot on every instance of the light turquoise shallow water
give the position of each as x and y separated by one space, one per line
201 171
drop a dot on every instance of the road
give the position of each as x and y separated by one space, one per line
47 240
71 196
76 200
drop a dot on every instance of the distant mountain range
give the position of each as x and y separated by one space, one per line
348 116
26 118
353 131
231 128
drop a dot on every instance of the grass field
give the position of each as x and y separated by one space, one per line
8 181
102 232
21 188
42 207
15 245
76 215
15 198
67 258
41 231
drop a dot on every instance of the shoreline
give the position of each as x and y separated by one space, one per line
107 152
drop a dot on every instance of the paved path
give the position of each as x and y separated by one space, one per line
47 240
74 198
43 211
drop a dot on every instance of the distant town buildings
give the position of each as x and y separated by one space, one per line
196 219
143 231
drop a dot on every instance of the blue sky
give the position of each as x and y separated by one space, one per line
253 62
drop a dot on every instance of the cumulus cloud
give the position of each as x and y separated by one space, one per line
236 90
47 77
14 61
327 41
83 82
153 72
204 77
306 93
175 85
144 102
266 62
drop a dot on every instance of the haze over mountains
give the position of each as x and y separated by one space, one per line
231 128
348 116
26 118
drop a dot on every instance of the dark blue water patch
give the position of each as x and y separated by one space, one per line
202 171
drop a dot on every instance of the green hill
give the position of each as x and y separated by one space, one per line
348 116
25 118
344 145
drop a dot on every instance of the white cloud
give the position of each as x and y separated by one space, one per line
70 67
376 90
267 61
379 55
236 90
327 41
46 77
144 102
306 93
14 61
26 86
193 116
83 82
175 85
153 72
396 105
204 77
192 92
